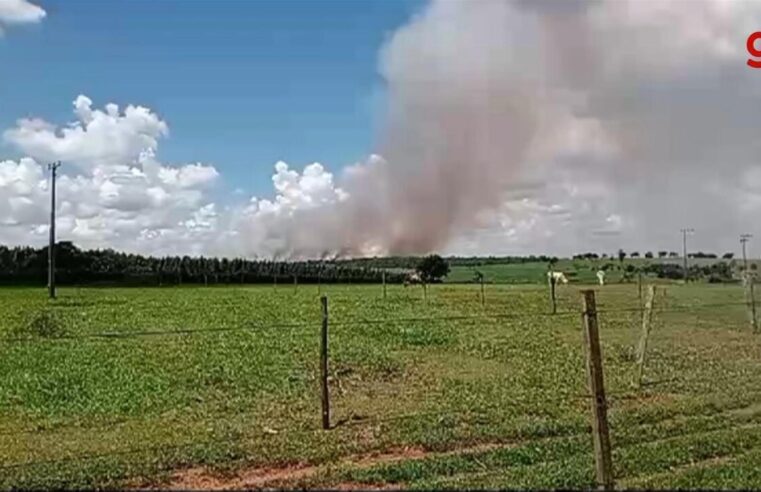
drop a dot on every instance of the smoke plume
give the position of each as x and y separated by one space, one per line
559 122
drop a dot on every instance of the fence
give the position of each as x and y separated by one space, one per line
549 402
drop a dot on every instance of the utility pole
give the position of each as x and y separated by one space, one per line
684 249
744 238
52 167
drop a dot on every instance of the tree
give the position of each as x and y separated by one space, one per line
432 268
649 254
634 254
728 256
662 254
621 255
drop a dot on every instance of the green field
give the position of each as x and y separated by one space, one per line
97 390
583 271
536 272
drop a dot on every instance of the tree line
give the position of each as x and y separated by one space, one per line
27 265
413 262
621 255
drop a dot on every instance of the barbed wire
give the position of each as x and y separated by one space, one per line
114 335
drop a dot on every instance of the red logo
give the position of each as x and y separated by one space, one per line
753 51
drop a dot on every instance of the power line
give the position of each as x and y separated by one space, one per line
115 335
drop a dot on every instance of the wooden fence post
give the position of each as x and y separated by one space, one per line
600 434
553 301
383 276
324 365
483 296
647 321
425 292
750 299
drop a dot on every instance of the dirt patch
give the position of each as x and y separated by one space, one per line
202 479
270 477
258 478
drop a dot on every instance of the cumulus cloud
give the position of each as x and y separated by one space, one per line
113 191
19 12
97 139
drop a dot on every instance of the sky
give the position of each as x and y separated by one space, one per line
241 84
306 128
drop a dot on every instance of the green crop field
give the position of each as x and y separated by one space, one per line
219 386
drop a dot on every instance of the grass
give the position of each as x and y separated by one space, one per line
583 271
95 393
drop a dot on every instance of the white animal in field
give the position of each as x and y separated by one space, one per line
558 277
601 277
413 278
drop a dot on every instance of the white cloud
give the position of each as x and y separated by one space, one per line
19 12
97 139
112 190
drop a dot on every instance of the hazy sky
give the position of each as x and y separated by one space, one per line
300 128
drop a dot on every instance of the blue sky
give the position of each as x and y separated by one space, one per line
241 84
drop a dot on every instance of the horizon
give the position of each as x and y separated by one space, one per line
640 255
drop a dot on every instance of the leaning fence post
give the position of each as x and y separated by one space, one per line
751 302
600 435
647 321
324 365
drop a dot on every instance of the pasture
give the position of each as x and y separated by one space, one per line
193 387
579 270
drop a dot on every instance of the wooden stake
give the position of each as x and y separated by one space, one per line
383 276
425 292
483 296
647 321
324 365
553 301
600 435
751 301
